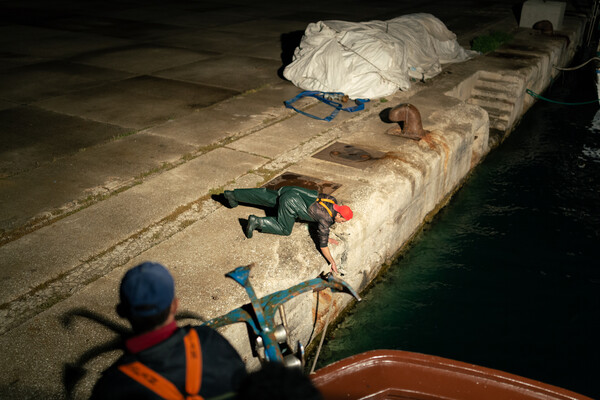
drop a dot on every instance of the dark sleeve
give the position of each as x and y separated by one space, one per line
324 220
323 232
113 385
223 369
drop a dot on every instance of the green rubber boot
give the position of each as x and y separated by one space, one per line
230 197
253 223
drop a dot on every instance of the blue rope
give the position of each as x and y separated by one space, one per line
537 96
321 97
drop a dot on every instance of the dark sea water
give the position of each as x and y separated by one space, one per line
507 276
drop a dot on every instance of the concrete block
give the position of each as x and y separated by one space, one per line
538 10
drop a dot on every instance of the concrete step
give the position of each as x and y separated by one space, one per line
498 124
500 81
498 114
499 119
491 102
499 84
499 77
483 90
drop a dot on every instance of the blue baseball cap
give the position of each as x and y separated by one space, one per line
147 289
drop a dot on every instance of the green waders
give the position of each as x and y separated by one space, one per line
292 203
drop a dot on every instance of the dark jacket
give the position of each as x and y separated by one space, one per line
322 217
222 367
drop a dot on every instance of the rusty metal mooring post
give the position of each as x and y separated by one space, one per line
413 128
544 26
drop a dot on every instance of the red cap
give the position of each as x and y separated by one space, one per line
344 211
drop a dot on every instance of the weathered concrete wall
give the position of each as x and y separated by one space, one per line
414 179
393 195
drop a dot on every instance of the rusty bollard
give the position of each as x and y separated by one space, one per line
410 116
544 26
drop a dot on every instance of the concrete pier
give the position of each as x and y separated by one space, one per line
118 132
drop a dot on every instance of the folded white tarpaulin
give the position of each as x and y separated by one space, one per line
372 59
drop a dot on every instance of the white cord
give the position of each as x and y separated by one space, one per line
579 66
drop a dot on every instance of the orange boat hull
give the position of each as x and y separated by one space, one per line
393 374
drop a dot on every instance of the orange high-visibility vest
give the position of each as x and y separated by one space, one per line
162 386
321 202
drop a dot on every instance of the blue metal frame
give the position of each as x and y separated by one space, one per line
263 320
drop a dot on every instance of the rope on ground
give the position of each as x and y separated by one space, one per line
537 96
579 66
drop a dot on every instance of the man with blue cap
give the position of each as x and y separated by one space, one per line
162 360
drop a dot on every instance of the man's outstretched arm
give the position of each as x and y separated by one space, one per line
327 255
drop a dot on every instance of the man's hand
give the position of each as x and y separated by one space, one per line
334 268
333 241
329 258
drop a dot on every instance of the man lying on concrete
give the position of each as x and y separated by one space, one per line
292 202
162 360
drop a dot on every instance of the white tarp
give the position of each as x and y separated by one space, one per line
372 59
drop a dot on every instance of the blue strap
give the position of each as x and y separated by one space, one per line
321 97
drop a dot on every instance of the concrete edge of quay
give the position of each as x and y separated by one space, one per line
468 109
